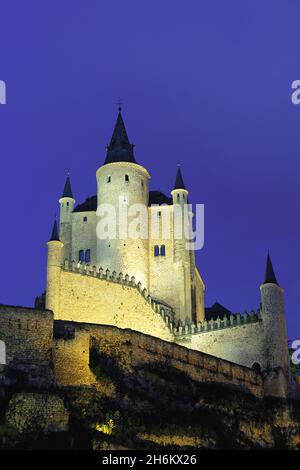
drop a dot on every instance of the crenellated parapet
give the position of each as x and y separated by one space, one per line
166 312
179 330
233 321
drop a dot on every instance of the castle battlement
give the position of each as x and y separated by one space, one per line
178 329
166 312
218 323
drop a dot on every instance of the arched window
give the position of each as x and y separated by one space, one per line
126 178
256 367
156 250
85 219
2 352
162 250
178 196
108 179
87 256
68 203
81 255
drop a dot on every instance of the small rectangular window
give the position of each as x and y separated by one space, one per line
84 219
156 250
162 250
81 255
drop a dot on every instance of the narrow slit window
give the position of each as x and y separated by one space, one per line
126 178
162 250
108 179
84 219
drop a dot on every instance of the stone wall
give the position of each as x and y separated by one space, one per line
243 344
84 235
71 359
27 334
84 298
131 349
164 275
120 252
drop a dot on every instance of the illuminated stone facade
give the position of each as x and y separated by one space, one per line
162 264
149 284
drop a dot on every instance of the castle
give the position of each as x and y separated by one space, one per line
162 265
146 285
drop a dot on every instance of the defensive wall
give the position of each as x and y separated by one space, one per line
131 350
28 337
31 348
82 294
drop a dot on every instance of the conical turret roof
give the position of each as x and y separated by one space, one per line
179 184
54 234
67 189
270 275
119 149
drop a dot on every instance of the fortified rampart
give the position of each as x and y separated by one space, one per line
83 294
239 338
82 300
28 337
32 348
88 295
131 350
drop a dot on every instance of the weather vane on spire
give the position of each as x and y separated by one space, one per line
119 104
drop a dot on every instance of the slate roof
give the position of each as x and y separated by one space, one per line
119 149
67 189
179 184
90 204
155 197
270 275
215 311
54 234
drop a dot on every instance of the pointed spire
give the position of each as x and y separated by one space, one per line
54 234
67 189
119 149
179 184
270 275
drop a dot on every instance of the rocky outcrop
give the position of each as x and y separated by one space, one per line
31 412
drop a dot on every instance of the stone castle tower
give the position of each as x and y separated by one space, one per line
164 266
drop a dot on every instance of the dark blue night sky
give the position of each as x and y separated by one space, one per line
204 83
